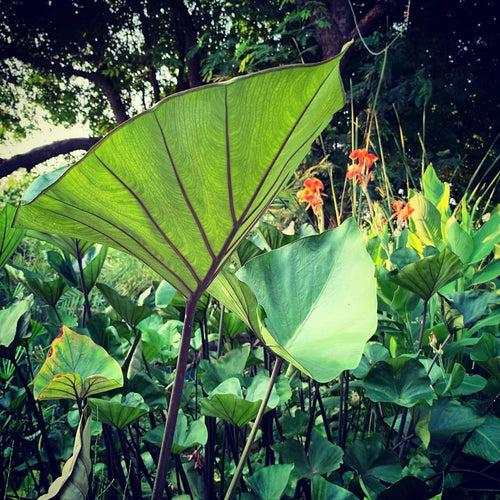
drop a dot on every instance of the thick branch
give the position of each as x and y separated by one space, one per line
38 155
103 82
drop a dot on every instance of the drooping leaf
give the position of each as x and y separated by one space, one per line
322 457
270 482
93 262
71 246
76 367
119 411
237 297
9 237
485 440
426 221
12 322
428 275
73 483
405 384
486 237
180 185
48 289
124 307
319 297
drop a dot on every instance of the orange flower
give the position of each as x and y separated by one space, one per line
311 194
402 211
362 162
314 183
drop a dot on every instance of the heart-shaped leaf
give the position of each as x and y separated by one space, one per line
428 275
131 313
180 185
320 301
270 482
405 384
226 401
45 288
76 368
9 236
119 411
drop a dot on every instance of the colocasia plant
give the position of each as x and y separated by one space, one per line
346 357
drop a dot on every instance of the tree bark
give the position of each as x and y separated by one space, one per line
38 155
186 36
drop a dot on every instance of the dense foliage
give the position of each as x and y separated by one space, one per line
232 295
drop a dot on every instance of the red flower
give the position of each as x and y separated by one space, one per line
311 194
402 211
362 162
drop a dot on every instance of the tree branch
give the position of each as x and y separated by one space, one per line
38 155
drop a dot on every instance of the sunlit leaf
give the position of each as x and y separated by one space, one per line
9 237
76 367
319 297
180 185
12 322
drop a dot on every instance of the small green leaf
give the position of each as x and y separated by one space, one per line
270 482
486 237
47 289
428 275
76 368
73 483
322 457
164 294
319 297
405 385
422 429
489 272
124 307
120 410
426 221
460 242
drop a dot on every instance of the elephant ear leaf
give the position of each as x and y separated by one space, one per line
180 185
76 368
319 297
428 275
9 237
73 483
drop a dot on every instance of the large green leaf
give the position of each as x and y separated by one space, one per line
76 367
119 411
320 300
73 483
270 482
426 221
180 185
9 236
404 384
486 237
485 440
428 275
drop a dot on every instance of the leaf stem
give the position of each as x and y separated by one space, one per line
255 427
175 400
